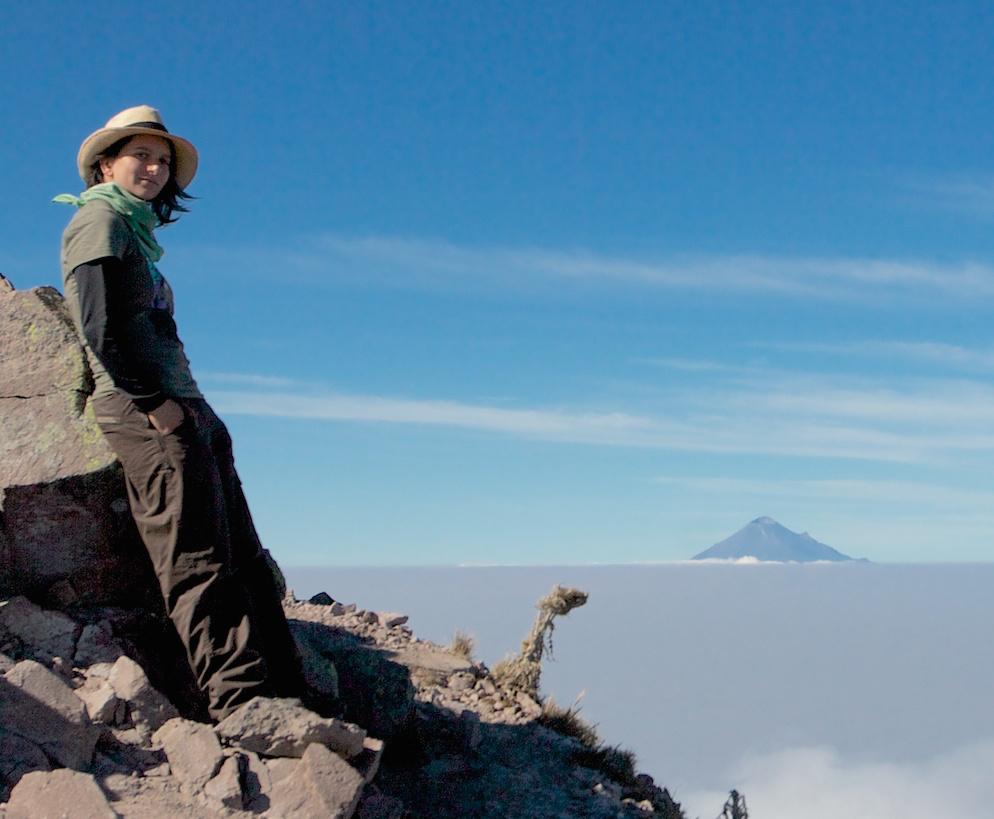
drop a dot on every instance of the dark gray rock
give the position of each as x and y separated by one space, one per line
375 691
368 762
320 673
97 644
19 756
45 385
377 805
66 533
39 706
41 634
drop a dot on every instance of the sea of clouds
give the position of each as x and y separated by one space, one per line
819 783
821 690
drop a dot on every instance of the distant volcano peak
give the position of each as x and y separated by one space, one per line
766 540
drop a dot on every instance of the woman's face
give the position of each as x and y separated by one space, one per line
141 167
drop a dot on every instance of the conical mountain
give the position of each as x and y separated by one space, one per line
765 539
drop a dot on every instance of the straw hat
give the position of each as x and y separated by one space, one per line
138 120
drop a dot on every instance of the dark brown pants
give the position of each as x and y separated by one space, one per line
219 592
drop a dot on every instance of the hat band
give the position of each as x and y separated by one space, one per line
155 125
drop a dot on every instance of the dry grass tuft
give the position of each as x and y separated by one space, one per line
568 722
462 645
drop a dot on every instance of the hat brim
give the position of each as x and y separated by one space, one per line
99 141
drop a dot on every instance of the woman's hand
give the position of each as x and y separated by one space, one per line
167 416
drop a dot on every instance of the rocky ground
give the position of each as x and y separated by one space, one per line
421 731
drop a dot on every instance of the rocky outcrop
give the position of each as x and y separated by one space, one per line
96 741
68 728
66 532
45 384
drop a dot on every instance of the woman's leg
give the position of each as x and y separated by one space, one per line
177 489
251 564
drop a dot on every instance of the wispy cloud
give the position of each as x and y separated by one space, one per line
946 355
963 193
417 263
553 425
247 380
793 416
685 364
945 404
822 490
836 278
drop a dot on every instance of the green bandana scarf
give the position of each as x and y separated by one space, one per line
136 213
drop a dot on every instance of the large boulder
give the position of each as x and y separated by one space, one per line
39 706
66 532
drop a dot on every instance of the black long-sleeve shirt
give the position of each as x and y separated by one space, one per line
103 327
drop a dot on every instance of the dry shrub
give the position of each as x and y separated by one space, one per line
522 673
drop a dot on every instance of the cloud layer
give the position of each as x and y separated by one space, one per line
817 783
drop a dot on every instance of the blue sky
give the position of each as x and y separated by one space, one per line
559 282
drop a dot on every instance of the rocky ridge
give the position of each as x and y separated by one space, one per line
86 734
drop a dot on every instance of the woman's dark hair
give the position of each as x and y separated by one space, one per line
170 198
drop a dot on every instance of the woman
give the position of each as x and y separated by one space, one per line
185 495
